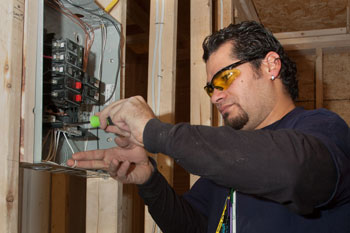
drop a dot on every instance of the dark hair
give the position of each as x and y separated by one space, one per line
251 39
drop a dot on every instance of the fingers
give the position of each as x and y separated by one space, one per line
94 159
117 130
105 113
119 170
129 117
89 155
113 168
91 164
71 163
123 142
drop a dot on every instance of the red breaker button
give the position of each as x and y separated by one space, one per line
78 85
77 98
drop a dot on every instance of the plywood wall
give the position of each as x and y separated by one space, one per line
306 76
296 15
336 82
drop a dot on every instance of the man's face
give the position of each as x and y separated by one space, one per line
248 99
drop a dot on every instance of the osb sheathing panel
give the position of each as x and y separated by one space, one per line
336 84
306 77
342 107
300 15
336 76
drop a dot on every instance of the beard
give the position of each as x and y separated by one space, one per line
237 122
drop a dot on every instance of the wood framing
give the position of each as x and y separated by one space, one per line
31 27
162 70
162 76
201 108
59 216
310 33
11 43
35 196
312 42
225 13
348 17
103 206
319 78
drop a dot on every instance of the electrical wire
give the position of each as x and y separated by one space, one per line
161 24
103 15
89 36
88 29
57 143
157 47
70 146
58 5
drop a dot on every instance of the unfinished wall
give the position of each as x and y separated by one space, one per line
336 84
296 15
306 76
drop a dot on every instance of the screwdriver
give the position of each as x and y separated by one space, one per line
95 121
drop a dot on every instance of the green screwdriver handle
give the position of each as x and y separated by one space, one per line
95 121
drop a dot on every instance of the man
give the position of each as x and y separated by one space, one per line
273 168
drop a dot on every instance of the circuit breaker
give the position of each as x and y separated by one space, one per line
77 75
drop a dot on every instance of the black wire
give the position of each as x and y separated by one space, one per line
116 26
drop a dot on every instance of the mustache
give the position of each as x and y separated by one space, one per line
219 105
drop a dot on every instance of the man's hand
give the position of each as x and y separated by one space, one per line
129 117
127 165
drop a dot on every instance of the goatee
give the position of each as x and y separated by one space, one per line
239 121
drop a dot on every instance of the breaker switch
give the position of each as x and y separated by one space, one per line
78 85
77 98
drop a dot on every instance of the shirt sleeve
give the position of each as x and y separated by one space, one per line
171 212
285 166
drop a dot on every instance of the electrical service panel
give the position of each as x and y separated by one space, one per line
78 69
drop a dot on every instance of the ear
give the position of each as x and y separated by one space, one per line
272 64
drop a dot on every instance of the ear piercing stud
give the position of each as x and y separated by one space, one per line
272 77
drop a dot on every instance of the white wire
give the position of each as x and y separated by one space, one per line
103 47
158 45
57 140
70 146
154 59
159 76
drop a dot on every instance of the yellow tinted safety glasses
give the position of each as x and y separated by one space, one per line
224 77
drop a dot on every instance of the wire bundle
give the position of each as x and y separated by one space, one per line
88 29
102 15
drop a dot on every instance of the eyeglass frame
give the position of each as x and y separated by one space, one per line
229 67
